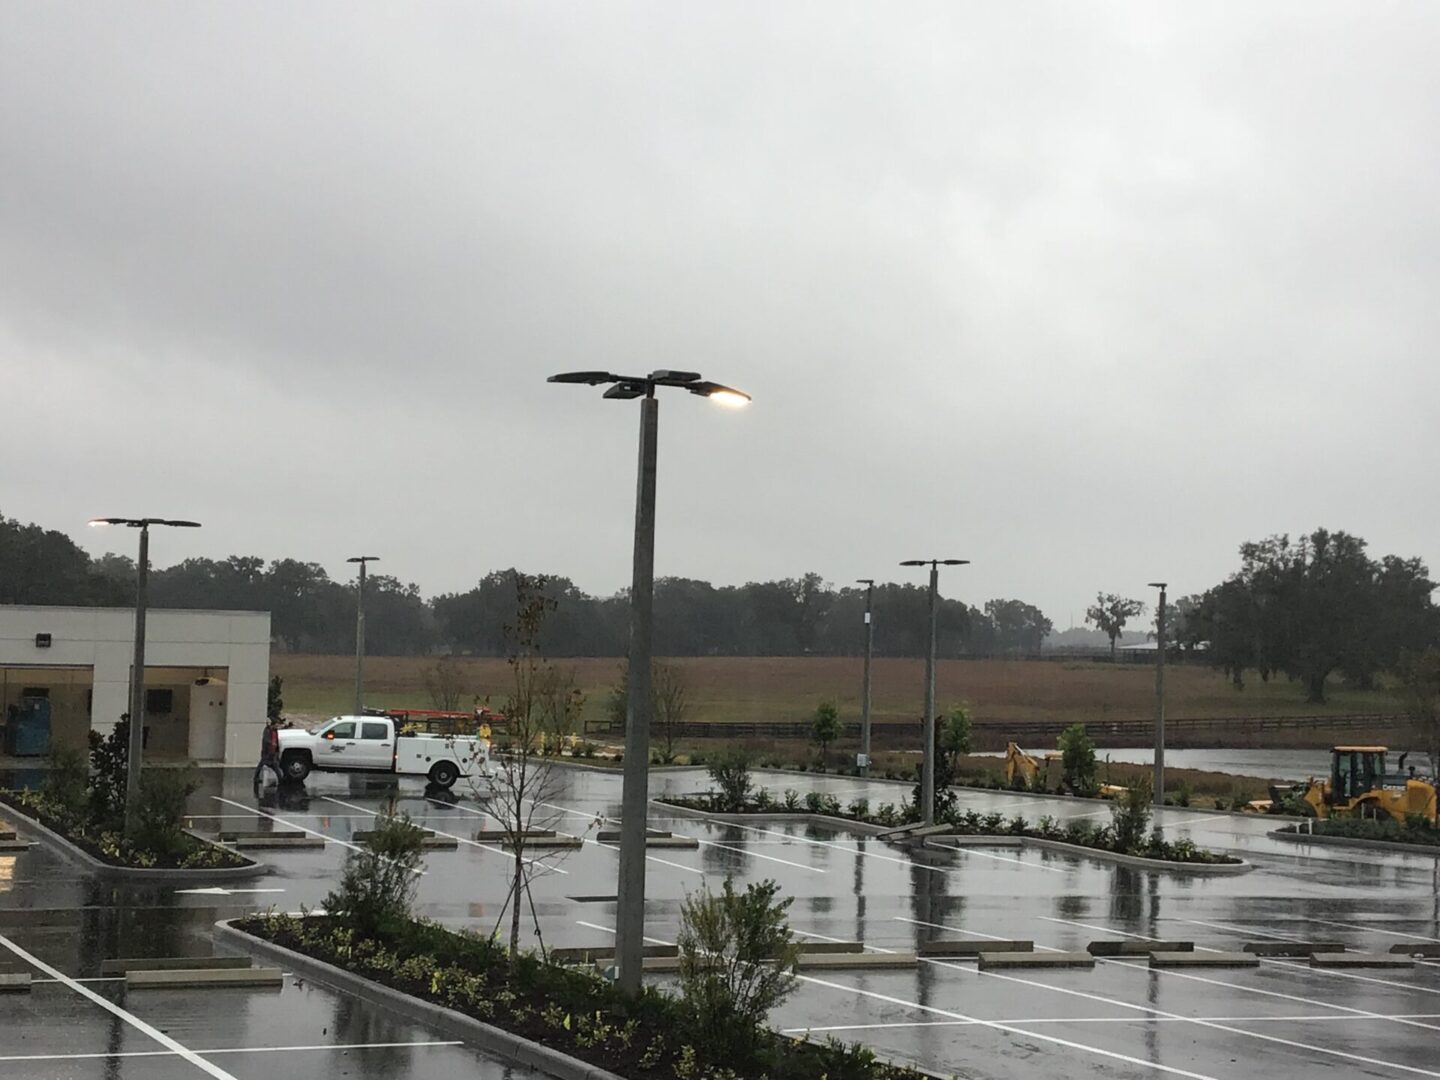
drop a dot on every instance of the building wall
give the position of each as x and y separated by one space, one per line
236 644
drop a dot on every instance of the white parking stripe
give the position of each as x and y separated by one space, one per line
1372 928
293 825
233 1050
451 836
1310 1048
993 1024
1327 1018
115 1010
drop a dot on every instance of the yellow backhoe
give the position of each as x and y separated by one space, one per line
1359 786
1050 769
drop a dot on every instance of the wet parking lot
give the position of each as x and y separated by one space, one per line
1282 1019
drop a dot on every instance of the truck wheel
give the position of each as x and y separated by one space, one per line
444 774
295 767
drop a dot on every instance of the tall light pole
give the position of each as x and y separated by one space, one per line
360 631
1159 695
864 761
927 767
635 795
137 671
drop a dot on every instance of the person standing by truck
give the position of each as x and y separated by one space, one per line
269 752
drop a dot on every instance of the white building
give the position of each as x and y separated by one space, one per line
206 675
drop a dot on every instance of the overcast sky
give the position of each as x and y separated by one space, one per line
1086 293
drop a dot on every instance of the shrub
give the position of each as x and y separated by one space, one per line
859 808
887 814
1080 832
1077 760
792 799
829 804
763 799
737 961
731 774
160 810
814 802
67 784
109 756
378 883
1017 826
825 727
1048 828
1183 795
1130 815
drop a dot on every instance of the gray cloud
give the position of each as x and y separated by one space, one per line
1087 294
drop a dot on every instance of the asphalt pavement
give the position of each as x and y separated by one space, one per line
1120 1019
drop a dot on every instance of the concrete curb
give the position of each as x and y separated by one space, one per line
140 874
803 817
511 1048
1428 851
1019 841
1138 862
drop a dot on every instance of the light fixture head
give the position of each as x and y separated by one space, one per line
721 395
589 378
915 562
865 581
363 558
625 390
1157 584
667 377
954 562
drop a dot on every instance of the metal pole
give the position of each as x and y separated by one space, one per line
927 769
1160 701
635 796
360 643
865 692
137 686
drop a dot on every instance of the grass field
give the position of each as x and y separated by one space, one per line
788 688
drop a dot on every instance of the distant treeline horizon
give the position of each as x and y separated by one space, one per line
1306 609
312 613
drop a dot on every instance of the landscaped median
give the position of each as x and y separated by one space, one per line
1418 837
567 1021
81 811
1123 841
107 853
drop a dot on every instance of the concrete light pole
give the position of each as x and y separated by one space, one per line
864 761
927 767
136 750
635 793
360 631
1159 695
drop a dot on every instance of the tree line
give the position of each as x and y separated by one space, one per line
1312 610
310 612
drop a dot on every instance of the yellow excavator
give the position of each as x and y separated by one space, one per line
1359 786
1050 769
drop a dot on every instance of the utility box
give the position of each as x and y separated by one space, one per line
27 728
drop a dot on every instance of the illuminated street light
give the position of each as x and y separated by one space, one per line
630 892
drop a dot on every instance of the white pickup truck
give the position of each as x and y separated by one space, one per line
370 744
